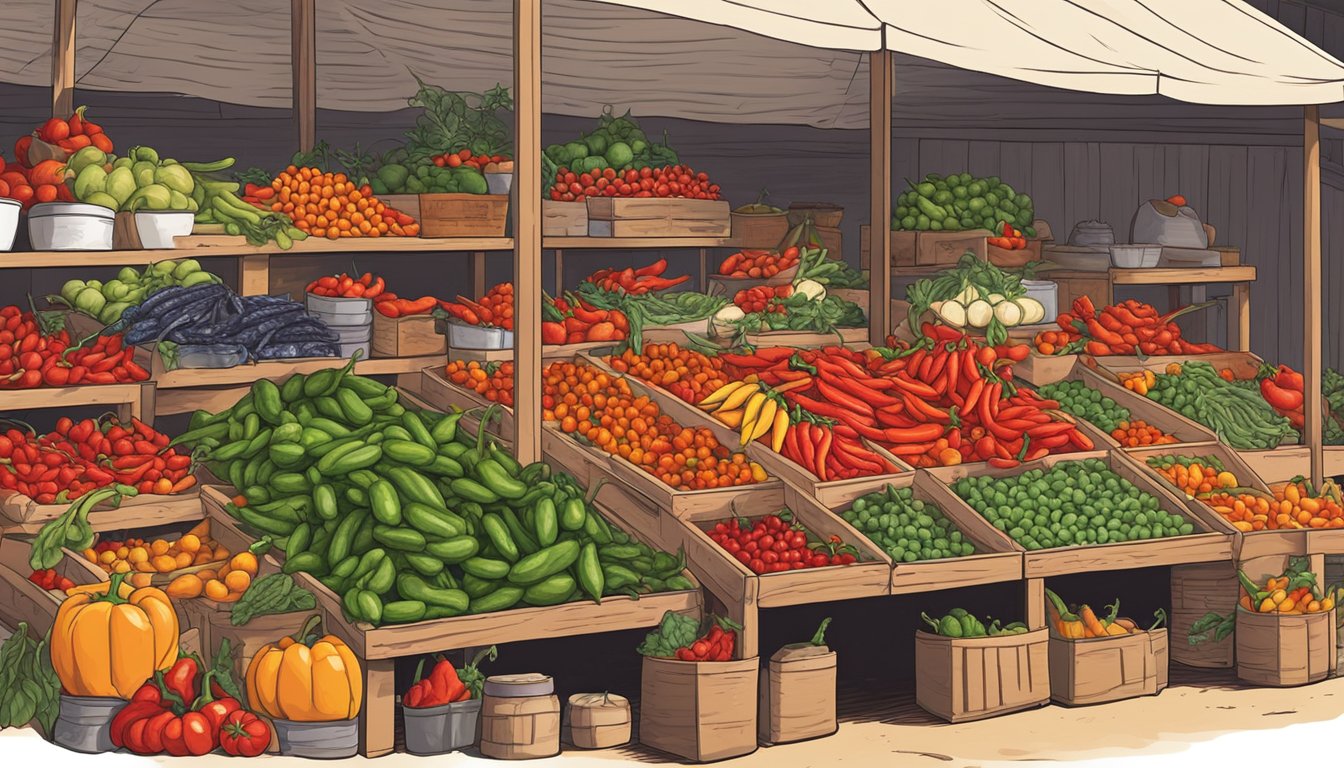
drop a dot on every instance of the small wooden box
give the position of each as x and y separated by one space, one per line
910 249
406 336
407 204
1196 591
971 678
597 721
1283 650
699 710
798 695
561 219
759 230
1100 669
657 217
823 215
452 214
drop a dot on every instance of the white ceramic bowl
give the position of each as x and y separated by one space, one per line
70 227
499 183
1135 256
158 228
9 222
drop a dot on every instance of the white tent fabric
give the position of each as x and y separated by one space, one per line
1201 51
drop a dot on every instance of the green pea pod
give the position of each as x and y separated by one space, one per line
385 502
399 538
618 576
597 528
292 390
267 398
404 611
573 515
545 562
408 452
550 591
435 524
499 600
455 550
494 476
499 536
591 577
545 522
485 568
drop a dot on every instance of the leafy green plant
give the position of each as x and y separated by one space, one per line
454 120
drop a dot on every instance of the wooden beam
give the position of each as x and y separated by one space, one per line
303 68
1311 289
879 216
63 60
1333 122
527 229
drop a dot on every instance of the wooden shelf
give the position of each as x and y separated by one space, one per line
565 243
130 399
1183 276
152 511
211 246
184 378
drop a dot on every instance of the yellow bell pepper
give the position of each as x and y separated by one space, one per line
107 643
306 678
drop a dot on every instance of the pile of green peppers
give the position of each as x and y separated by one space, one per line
405 515
959 623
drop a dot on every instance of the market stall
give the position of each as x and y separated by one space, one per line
617 455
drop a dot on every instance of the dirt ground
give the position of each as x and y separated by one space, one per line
1203 717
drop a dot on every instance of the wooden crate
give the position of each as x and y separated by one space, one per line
1014 258
701 711
1279 464
1246 545
758 230
154 510
1187 432
972 678
911 249
1283 650
1196 591
18 508
1041 369
807 338
797 700
379 647
440 393
407 204
1244 365
22 600
1100 669
1202 546
412 336
995 560
823 215
657 217
455 214
561 219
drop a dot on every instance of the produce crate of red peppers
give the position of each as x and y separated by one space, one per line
344 286
776 543
575 321
494 309
78 457
636 282
671 181
32 355
1128 328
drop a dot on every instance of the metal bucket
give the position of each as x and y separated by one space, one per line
325 741
84 723
446 728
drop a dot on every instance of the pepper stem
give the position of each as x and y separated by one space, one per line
308 629
113 595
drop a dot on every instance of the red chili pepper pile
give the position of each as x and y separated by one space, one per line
1119 329
636 282
757 263
390 304
50 579
716 645
762 298
1009 238
1282 388
566 322
777 543
79 457
494 309
37 174
672 181
185 712
444 684
343 286
30 358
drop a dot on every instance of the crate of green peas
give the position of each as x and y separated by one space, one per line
1085 512
929 548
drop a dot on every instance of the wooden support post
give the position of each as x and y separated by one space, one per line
1035 603
478 274
527 230
378 716
879 216
303 67
559 272
1239 313
63 60
254 275
704 270
1311 289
